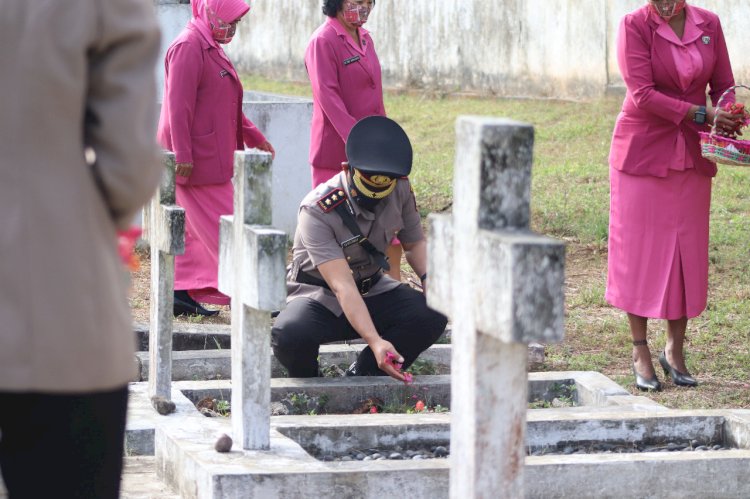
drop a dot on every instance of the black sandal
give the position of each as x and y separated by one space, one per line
185 305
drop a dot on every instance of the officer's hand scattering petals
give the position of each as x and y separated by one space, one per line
384 351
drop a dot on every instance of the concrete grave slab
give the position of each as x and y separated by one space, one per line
593 393
187 462
142 419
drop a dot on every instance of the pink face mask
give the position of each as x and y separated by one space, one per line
667 9
222 32
356 14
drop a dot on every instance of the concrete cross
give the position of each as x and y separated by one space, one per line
502 286
252 258
164 229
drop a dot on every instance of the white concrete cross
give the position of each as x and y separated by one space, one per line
252 258
502 286
164 229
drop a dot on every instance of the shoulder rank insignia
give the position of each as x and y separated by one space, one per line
331 200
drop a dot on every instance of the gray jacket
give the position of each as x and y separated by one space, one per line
74 73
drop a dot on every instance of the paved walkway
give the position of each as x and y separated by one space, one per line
139 481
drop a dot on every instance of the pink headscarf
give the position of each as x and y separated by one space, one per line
226 10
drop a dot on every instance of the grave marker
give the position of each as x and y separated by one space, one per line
502 286
252 258
165 231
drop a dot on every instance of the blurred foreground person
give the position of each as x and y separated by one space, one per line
77 74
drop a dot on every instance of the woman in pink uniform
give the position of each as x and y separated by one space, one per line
669 55
345 76
203 124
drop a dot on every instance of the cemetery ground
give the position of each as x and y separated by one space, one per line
570 201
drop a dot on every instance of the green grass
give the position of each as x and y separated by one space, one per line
570 200
564 131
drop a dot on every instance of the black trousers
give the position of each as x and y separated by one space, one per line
62 446
401 316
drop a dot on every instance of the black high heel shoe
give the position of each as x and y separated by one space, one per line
679 379
185 305
642 383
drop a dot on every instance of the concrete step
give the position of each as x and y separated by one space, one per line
192 365
189 336
139 480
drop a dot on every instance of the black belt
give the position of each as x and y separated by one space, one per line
363 285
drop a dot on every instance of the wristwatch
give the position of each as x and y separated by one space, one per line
700 115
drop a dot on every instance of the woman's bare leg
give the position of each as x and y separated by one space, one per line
675 341
641 353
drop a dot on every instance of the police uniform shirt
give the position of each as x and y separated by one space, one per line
322 236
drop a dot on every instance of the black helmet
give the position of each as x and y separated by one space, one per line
379 146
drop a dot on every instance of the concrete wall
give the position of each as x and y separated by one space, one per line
535 48
172 18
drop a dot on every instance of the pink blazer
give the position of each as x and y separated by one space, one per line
201 118
655 106
346 86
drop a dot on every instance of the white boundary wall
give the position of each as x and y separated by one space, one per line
532 48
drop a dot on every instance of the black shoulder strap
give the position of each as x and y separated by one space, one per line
347 216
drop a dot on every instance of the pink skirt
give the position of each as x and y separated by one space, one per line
658 244
197 270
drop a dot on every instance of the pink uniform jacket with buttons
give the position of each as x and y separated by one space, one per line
654 108
201 117
346 85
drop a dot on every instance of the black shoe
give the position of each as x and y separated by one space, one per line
644 384
357 370
353 370
679 379
185 305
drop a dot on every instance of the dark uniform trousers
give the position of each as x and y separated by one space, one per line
62 445
401 316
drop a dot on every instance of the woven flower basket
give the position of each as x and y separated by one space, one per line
721 149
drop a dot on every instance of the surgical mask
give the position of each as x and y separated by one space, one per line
221 31
667 9
356 14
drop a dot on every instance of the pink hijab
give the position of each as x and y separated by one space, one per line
226 10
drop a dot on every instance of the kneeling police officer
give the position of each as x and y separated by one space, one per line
336 286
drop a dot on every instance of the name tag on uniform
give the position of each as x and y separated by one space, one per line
351 60
349 242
